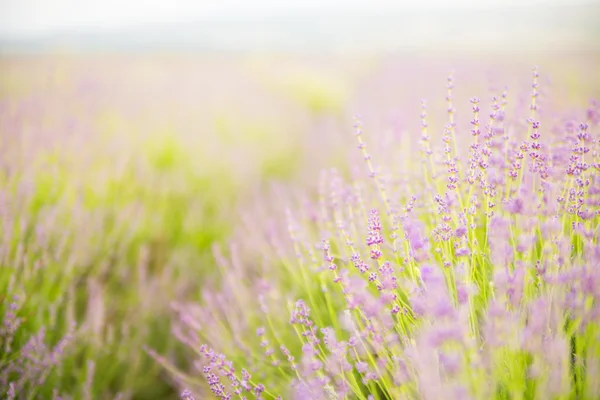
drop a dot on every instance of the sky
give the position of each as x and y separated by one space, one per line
22 18
300 24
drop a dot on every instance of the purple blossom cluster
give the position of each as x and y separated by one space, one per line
478 278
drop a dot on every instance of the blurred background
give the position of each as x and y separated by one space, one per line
328 26
133 135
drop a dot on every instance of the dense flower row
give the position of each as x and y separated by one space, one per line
480 278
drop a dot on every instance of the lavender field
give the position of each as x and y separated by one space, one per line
457 258
355 228
243 208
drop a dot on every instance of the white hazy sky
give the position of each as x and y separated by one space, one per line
24 18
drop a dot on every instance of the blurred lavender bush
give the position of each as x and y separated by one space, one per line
114 187
464 267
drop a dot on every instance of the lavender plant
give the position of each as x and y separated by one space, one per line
25 369
474 273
